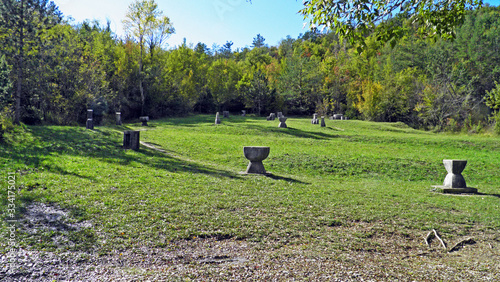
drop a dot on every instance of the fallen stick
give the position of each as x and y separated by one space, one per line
428 238
439 238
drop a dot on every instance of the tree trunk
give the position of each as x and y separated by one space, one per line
141 89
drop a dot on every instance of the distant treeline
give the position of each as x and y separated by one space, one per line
66 69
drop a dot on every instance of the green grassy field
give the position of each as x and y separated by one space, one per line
342 188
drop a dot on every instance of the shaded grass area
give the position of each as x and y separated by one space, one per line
347 174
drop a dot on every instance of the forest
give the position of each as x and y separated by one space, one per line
58 70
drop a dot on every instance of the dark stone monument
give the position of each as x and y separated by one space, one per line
144 120
90 119
256 155
131 140
323 124
243 113
118 118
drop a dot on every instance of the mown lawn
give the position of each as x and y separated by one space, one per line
335 188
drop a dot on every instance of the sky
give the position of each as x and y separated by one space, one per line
207 21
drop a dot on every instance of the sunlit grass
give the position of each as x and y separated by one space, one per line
350 171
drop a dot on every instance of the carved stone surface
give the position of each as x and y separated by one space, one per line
454 179
256 155
131 140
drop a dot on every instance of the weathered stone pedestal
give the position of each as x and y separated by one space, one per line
256 155
323 124
217 119
144 120
131 140
282 122
454 181
118 118
272 116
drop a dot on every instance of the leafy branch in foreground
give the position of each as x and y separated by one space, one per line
354 19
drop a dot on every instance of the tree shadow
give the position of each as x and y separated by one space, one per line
296 132
100 144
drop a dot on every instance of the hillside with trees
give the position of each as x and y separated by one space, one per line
57 70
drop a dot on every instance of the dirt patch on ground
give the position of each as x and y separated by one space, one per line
357 252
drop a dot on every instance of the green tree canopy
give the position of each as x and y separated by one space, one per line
354 19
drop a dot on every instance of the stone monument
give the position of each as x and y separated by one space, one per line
90 119
272 116
454 181
315 119
118 118
256 155
243 113
131 140
144 120
282 122
217 119
225 114
323 124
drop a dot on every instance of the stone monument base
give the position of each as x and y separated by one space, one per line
449 190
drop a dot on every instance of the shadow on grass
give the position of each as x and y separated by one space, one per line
295 132
287 179
493 195
49 143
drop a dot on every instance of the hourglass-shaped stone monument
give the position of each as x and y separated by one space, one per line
454 181
256 155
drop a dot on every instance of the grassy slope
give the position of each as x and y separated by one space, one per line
349 173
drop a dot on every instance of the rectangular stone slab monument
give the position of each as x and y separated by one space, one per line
90 119
131 140
217 119
118 118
